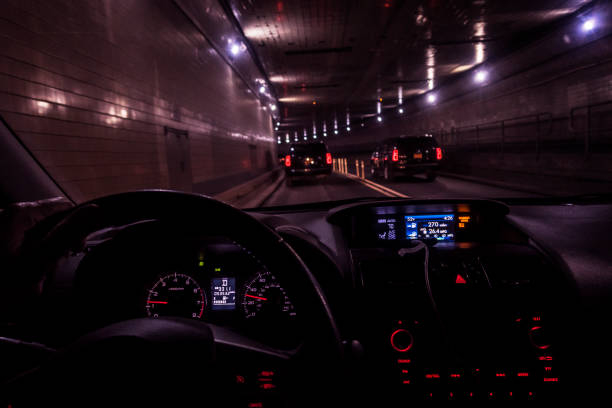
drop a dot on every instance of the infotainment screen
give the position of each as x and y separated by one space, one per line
440 227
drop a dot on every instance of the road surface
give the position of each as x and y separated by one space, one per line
338 187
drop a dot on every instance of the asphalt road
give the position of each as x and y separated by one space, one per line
338 187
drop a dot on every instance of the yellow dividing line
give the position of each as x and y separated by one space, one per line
376 187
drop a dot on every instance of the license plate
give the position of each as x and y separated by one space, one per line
417 156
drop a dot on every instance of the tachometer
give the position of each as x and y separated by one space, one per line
265 298
176 294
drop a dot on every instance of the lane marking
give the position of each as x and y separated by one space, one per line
390 190
376 187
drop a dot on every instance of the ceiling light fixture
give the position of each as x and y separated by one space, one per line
589 25
235 49
481 76
348 120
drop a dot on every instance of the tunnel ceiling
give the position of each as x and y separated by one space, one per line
346 54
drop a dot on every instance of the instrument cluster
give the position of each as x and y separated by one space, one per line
223 283
207 278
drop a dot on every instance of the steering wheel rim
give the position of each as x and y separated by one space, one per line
198 210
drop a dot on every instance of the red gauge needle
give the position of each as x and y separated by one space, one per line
256 297
157 302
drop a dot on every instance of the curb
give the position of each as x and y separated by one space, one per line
243 193
262 197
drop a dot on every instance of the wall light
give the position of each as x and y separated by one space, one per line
262 89
431 98
379 118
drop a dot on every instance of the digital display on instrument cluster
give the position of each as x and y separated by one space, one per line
393 227
223 293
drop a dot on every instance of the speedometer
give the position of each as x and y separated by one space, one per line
176 294
265 298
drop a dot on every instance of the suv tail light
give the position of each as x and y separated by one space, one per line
328 158
287 161
395 156
438 153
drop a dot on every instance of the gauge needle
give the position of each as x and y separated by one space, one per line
157 302
256 297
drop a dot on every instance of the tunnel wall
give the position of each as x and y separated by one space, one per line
553 118
102 91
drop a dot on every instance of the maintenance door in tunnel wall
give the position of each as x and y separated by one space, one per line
178 154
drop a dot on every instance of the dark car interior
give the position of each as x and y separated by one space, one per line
156 250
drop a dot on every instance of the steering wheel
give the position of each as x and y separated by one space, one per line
177 361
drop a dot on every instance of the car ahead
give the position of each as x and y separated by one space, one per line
406 156
307 160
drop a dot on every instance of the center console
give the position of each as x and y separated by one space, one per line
457 305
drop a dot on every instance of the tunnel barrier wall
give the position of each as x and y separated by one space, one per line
114 96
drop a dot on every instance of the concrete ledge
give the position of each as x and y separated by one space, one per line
494 183
250 194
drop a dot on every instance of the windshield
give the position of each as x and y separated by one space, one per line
233 99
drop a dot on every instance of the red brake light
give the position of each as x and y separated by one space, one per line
328 158
287 161
438 153
395 156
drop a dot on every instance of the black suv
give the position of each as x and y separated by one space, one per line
406 156
307 159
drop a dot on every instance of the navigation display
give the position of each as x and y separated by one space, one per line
223 293
440 227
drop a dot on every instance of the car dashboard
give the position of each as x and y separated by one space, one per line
450 301
435 300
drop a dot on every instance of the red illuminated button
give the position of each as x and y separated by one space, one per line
538 338
401 340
